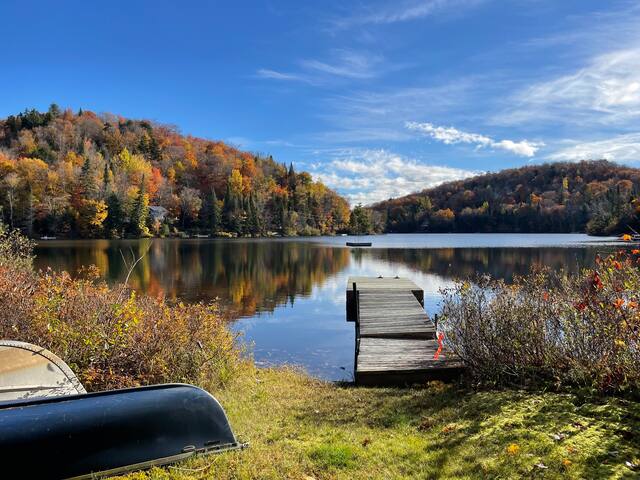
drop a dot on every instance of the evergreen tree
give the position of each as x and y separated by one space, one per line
254 223
144 143
54 111
140 214
88 180
291 178
216 215
155 153
232 211
115 216
359 222
106 180
280 214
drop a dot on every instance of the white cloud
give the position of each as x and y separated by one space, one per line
599 30
452 136
401 11
368 176
341 64
622 148
347 64
605 91
275 75
374 116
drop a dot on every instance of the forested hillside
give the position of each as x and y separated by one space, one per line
79 174
598 197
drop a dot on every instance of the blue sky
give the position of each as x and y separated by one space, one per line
376 98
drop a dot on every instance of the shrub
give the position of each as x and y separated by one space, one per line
111 337
16 250
551 327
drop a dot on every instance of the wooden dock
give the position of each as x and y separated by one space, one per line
395 339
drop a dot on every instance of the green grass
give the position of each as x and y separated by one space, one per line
302 428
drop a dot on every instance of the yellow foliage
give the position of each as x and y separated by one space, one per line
513 449
235 182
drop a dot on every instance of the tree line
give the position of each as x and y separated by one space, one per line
82 174
597 197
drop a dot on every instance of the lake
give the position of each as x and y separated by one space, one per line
287 295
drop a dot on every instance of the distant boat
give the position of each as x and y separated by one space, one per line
47 238
634 237
200 236
358 244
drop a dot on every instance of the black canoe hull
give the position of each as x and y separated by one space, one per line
110 432
358 244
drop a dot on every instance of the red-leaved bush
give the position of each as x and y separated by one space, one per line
551 327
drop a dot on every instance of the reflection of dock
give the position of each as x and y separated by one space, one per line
395 340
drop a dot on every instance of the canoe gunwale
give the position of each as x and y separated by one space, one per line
159 462
104 393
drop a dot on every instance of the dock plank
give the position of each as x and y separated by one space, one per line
393 360
393 314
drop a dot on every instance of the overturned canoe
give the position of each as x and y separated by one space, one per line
358 244
104 433
51 428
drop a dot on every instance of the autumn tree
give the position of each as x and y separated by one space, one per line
190 205
360 221
84 174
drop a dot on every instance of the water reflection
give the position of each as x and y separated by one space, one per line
288 295
502 263
247 276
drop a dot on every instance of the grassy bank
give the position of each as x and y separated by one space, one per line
302 428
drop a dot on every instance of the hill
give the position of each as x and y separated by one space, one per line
88 175
598 197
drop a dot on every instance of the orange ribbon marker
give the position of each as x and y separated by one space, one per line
440 338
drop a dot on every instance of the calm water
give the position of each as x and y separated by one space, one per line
287 296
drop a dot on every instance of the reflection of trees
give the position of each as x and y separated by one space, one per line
247 276
258 275
501 263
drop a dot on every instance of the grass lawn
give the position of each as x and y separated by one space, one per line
302 428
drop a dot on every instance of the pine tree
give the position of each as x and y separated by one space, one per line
88 180
155 152
254 223
115 216
216 214
144 143
140 214
232 210
291 178
106 180
54 111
